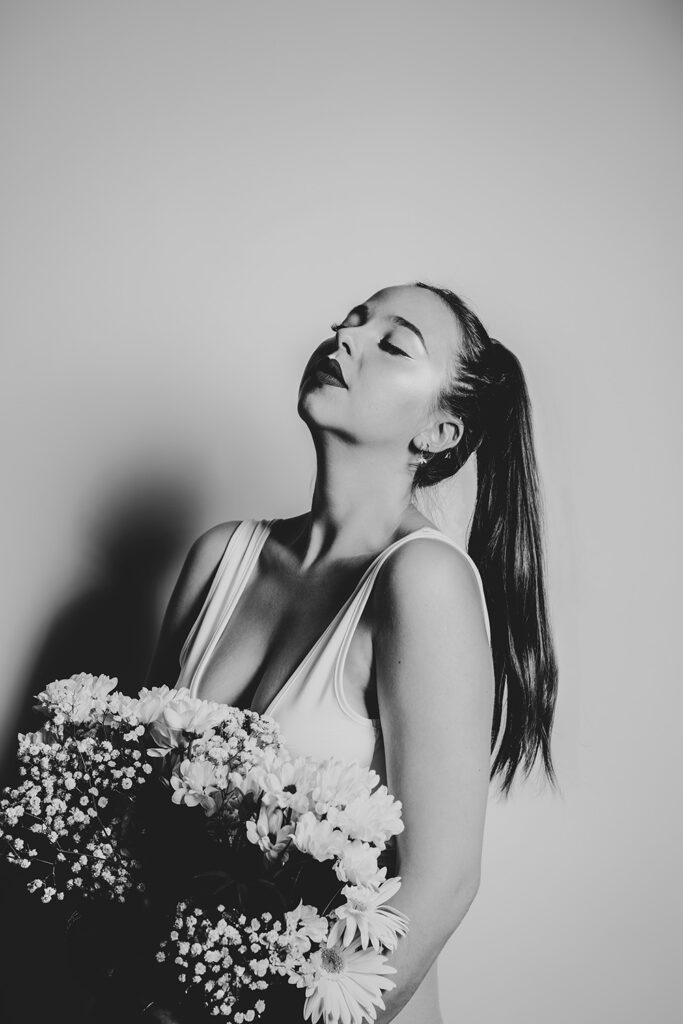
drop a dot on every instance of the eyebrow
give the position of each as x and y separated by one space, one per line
402 322
396 319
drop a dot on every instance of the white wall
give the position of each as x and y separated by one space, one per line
191 192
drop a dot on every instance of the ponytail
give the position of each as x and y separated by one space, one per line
505 542
489 393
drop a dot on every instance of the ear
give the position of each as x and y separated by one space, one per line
441 435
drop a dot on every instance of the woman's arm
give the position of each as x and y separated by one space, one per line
435 688
186 601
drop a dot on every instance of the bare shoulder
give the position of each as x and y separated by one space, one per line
185 602
207 550
430 624
429 585
199 569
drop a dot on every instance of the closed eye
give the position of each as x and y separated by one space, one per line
391 348
386 345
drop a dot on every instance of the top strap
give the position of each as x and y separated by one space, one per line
231 571
359 603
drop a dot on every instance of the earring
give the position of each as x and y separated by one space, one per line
422 458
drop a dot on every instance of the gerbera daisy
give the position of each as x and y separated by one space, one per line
344 984
362 913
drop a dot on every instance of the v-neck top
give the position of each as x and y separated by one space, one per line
314 716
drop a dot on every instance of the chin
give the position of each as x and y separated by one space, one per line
311 405
303 405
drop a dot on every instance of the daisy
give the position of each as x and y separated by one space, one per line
363 914
345 984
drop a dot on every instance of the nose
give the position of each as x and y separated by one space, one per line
344 341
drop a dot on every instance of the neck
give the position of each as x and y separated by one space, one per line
360 499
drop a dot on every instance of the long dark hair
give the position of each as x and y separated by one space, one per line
487 391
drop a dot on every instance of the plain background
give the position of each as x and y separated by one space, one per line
191 193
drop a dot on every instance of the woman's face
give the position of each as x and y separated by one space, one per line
395 351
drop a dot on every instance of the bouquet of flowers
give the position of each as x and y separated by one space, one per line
264 869
69 822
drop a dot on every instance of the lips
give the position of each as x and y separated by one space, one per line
330 372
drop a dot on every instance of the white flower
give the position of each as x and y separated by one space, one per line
269 833
176 712
284 782
303 926
78 698
195 782
362 913
191 714
38 739
124 706
248 783
318 838
344 985
357 864
339 782
373 818
151 702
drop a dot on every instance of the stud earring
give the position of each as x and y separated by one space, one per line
422 458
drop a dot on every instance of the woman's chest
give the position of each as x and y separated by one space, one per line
274 627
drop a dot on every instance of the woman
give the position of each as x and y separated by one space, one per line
365 630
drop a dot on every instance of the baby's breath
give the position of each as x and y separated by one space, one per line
228 958
69 827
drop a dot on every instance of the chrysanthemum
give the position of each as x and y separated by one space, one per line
363 914
195 782
284 781
357 864
191 714
318 838
344 985
336 783
372 818
152 700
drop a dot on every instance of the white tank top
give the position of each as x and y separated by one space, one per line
314 716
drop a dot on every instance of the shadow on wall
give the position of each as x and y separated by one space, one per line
109 627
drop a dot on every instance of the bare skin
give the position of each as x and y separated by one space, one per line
280 615
419 659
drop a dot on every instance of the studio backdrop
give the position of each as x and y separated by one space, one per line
190 194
